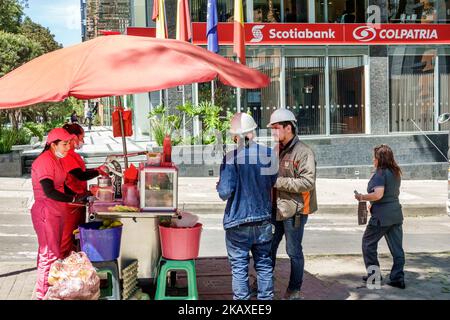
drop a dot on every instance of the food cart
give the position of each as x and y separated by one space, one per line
157 198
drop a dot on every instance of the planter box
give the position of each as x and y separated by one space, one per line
11 164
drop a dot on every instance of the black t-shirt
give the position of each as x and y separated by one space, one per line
387 210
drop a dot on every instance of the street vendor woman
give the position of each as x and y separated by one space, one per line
76 180
51 199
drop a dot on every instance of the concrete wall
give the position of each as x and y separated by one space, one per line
11 164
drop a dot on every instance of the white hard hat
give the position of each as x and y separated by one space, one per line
282 115
242 123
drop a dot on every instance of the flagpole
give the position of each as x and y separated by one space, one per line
238 94
212 92
184 115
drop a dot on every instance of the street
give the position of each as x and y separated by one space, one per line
325 234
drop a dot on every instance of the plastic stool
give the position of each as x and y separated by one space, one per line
168 265
111 268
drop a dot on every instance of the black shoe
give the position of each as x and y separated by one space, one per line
365 278
397 284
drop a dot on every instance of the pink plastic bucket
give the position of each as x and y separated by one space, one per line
180 243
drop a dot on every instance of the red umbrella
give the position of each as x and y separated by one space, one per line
118 65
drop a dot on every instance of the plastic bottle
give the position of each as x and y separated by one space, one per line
130 194
167 149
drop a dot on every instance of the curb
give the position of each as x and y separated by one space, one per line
409 210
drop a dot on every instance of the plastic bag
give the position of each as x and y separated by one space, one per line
184 220
73 278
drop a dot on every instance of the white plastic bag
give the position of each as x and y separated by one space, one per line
73 278
184 220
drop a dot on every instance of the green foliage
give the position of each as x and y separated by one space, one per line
39 34
15 50
23 136
41 129
211 118
7 140
36 129
56 123
162 125
11 13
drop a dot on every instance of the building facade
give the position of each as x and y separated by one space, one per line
102 15
347 96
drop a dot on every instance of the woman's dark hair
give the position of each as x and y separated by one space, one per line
73 128
47 146
383 153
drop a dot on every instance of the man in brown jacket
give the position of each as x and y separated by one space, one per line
295 194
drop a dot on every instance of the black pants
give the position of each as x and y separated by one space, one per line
394 238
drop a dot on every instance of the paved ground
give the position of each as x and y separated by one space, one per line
332 241
336 277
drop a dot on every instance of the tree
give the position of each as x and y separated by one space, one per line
39 34
15 50
11 13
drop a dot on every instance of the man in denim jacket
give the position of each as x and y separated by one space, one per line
247 176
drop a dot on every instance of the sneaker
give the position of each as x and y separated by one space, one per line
293 295
397 284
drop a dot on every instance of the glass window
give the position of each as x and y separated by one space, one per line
443 11
295 11
411 91
266 11
341 11
413 11
305 93
225 10
444 86
347 92
262 102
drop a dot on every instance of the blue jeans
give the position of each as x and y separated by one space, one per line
256 239
294 248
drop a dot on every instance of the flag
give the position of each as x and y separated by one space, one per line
211 26
159 16
184 29
239 34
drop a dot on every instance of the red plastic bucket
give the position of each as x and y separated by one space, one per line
180 243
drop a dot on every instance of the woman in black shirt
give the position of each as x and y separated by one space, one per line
386 216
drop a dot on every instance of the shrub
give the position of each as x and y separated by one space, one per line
36 129
23 136
7 140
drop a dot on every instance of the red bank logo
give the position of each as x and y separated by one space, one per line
257 33
364 33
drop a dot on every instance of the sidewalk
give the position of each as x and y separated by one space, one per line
335 277
418 197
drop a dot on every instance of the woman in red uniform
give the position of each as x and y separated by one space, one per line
51 198
76 181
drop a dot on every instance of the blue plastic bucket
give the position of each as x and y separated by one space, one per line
100 245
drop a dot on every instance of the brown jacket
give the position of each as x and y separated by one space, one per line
296 183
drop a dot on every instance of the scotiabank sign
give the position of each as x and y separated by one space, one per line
329 33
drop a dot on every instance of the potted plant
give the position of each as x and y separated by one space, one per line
10 161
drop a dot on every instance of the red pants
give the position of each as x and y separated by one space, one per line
48 219
73 217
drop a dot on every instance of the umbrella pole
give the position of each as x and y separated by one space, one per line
124 141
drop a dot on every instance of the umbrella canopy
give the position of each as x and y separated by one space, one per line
118 65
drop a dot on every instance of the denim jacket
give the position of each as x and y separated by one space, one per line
247 175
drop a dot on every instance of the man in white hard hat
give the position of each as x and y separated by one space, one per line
295 194
246 182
